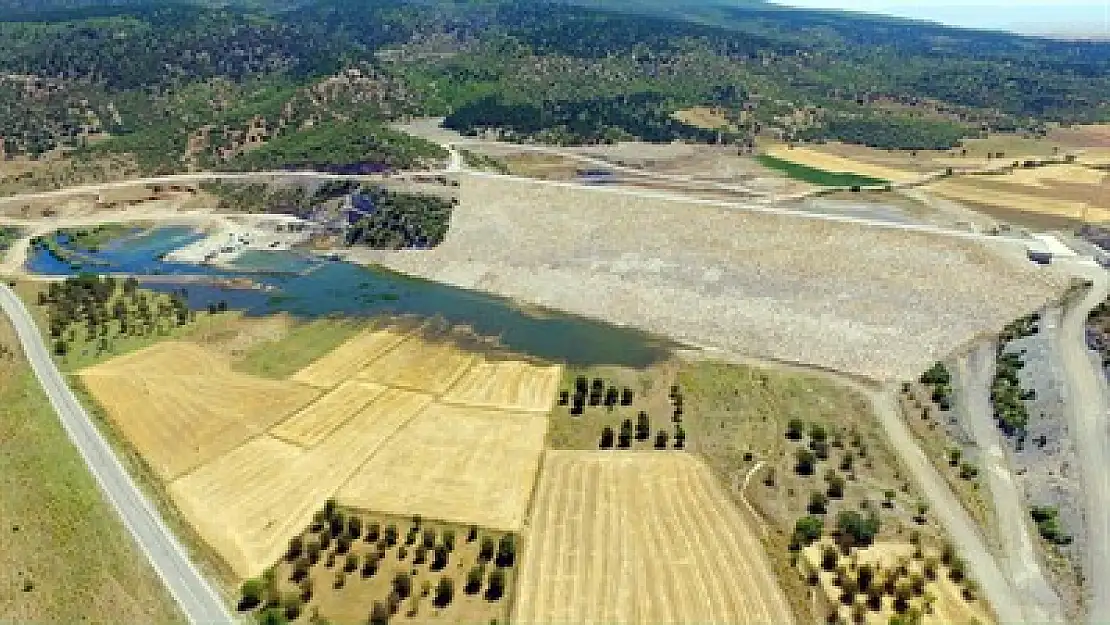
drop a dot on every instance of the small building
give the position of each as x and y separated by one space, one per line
1043 248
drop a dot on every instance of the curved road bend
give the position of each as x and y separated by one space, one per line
1087 407
974 373
201 604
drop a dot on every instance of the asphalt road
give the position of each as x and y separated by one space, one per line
200 603
1087 407
1040 603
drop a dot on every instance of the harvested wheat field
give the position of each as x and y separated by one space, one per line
343 362
248 503
1021 198
311 425
457 464
640 537
420 364
508 385
181 406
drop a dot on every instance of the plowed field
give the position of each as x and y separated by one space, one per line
420 365
180 406
453 463
640 538
311 425
248 503
343 362
508 385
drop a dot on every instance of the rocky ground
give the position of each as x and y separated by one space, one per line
875 302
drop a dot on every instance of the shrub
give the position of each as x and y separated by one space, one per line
808 529
495 589
251 594
506 551
445 592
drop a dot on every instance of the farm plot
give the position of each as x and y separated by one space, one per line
420 364
508 385
621 537
311 425
180 421
458 464
344 361
247 503
839 164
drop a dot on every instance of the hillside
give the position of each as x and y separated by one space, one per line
177 86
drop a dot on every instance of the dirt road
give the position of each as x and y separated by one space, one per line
1087 407
1040 603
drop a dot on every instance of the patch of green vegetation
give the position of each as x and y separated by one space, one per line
475 160
88 319
1047 519
939 380
401 220
65 553
336 145
1007 396
820 177
304 343
93 239
8 235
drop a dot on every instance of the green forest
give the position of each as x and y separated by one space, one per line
299 83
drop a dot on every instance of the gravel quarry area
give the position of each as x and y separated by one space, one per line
876 302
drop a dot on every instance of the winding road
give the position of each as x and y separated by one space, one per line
1088 410
1040 602
196 598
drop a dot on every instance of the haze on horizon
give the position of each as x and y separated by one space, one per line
1054 17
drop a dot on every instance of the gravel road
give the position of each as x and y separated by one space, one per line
1088 410
1039 602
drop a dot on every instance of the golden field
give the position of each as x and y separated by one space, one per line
640 537
464 465
182 406
248 460
1068 191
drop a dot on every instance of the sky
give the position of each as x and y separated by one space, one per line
1066 17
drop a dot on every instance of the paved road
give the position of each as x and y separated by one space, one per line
200 603
1040 603
1087 408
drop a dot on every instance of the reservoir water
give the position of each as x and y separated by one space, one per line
308 286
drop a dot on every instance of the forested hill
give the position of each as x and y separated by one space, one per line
166 86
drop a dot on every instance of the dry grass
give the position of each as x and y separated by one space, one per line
247 503
344 361
420 364
353 602
949 605
182 406
972 191
628 537
311 425
64 555
507 385
465 465
703 117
